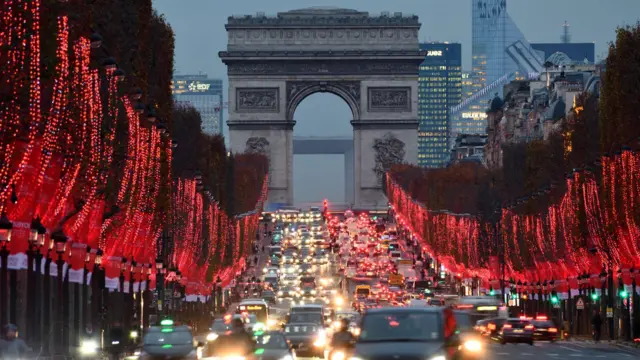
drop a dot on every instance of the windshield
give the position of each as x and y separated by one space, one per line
300 329
220 326
168 338
272 341
400 327
463 321
306 318
363 291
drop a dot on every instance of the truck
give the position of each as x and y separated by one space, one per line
396 280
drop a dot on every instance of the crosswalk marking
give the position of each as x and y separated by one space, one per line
576 355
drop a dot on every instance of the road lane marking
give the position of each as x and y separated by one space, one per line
553 354
568 348
576 355
503 354
526 354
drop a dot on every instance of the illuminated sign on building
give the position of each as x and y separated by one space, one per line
474 115
434 53
191 87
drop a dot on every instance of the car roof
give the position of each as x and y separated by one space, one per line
175 328
253 302
403 310
307 306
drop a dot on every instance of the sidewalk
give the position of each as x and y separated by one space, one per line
619 343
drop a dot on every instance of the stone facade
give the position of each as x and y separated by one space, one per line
275 63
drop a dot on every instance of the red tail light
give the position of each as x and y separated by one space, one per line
492 326
506 326
553 330
528 327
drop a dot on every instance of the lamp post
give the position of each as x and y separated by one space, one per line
37 235
96 293
172 275
160 284
60 243
6 227
84 293
178 302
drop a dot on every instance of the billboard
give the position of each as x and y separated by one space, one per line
196 87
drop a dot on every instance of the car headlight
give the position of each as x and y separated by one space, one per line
287 357
280 293
438 357
313 292
212 336
337 355
472 345
89 347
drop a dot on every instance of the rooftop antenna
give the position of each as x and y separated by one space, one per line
566 36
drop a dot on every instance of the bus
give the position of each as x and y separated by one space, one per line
482 307
257 307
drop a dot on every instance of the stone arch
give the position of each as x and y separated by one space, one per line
297 91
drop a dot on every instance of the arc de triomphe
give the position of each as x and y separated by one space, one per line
273 63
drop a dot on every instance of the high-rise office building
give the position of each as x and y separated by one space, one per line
205 95
498 47
470 121
439 88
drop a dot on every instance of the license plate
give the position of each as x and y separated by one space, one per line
518 331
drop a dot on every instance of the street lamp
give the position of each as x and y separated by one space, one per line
60 245
37 234
6 227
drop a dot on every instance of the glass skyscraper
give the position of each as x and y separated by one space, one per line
500 53
205 95
439 88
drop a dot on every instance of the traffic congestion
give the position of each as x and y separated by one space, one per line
355 287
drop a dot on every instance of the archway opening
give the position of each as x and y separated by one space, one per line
323 149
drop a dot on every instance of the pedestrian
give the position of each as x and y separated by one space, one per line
10 346
596 323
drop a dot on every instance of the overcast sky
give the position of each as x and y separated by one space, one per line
200 34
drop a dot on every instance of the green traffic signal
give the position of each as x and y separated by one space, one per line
623 294
594 296
492 292
554 299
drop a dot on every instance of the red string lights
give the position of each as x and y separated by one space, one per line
598 214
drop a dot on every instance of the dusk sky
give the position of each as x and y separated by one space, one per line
200 34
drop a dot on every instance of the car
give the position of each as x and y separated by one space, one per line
308 291
169 342
472 344
273 345
269 296
408 333
308 339
288 292
219 327
517 331
544 329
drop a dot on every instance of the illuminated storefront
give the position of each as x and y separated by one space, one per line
439 88
205 95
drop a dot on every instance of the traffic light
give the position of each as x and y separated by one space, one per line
623 293
594 296
491 291
525 296
554 297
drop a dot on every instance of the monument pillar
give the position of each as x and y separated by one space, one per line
349 178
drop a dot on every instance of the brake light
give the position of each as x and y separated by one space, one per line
466 306
528 327
506 326
542 318
492 326
553 330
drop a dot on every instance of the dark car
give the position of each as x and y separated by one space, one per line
517 331
269 296
272 345
308 339
472 344
544 329
494 326
169 342
288 292
408 333
308 292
